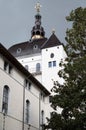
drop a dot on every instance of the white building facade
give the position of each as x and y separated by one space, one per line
40 55
24 101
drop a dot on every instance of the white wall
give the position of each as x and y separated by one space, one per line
31 61
15 82
51 73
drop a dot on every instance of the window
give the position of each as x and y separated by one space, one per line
27 84
10 69
42 117
27 111
54 63
18 50
52 55
50 99
26 67
35 47
7 67
38 67
5 99
49 64
42 95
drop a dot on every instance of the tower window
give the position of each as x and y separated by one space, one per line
27 111
5 99
38 67
50 64
54 63
38 33
42 34
33 33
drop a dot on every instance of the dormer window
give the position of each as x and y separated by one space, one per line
35 47
18 50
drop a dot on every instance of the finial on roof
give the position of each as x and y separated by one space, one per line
37 7
53 31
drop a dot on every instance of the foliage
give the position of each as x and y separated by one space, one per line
71 96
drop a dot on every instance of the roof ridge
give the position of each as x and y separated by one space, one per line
51 42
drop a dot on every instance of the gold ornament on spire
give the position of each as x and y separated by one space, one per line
37 7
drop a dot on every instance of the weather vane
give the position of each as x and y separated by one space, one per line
37 7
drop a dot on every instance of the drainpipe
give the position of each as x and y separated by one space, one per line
39 109
23 106
3 121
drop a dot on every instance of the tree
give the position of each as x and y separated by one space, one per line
71 96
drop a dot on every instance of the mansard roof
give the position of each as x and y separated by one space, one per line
34 46
27 48
4 52
51 42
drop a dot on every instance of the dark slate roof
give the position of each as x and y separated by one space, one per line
34 46
4 52
51 42
27 48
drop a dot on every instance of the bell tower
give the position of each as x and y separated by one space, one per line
37 30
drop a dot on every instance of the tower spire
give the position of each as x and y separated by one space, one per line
37 30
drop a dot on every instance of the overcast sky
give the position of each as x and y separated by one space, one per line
17 18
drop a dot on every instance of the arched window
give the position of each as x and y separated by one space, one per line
27 111
38 67
5 99
42 117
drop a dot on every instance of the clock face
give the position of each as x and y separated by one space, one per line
38 23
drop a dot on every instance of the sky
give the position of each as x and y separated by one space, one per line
17 18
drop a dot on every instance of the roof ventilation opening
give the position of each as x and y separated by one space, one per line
18 50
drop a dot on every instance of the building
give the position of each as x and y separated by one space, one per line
40 55
24 101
